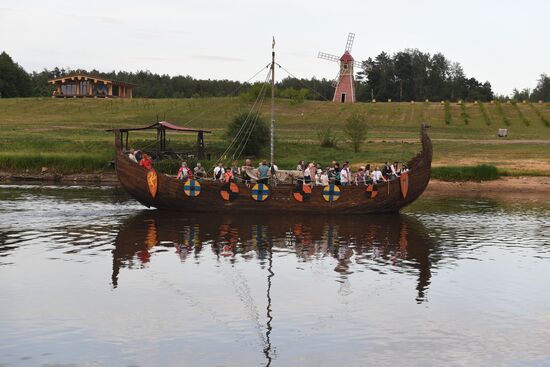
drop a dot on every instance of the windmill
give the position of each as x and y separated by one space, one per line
344 82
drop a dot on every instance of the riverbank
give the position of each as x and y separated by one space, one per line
504 185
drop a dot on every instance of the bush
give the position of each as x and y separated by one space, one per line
464 113
448 117
355 130
326 138
250 132
483 172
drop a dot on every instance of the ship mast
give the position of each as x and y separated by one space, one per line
272 138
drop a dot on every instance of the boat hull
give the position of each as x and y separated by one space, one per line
352 200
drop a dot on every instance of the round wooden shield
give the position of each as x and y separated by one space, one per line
152 182
192 188
372 191
260 192
331 193
301 192
229 191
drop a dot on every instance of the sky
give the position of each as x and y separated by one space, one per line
504 42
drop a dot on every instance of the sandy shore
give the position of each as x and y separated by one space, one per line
506 185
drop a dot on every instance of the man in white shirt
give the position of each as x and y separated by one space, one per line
377 175
219 172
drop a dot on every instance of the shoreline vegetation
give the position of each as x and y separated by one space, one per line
45 136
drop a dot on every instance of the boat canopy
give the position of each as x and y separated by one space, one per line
161 127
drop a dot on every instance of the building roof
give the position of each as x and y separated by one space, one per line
96 79
346 57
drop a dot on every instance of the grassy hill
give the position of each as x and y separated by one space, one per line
69 135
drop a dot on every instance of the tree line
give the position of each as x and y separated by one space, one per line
404 76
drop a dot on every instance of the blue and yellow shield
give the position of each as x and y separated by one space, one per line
192 188
331 193
260 192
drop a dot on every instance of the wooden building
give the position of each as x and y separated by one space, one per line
81 85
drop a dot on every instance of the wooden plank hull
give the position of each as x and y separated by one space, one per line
353 199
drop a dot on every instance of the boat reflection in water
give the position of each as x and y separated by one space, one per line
384 243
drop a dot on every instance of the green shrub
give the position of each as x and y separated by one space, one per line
326 138
464 114
502 115
481 172
540 115
523 118
448 117
485 115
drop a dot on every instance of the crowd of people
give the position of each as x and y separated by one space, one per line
310 173
342 175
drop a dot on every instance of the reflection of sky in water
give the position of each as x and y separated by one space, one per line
452 282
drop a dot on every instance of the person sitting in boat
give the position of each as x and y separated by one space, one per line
318 175
324 177
184 173
368 175
395 170
360 176
301 166
404 168
138 154
336 174
309 173
199 171
146 162
132 155
263 171
386 170
345 175
377 175
228 176
219 172
244 171
235 170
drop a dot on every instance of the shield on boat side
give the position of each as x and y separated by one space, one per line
152 182
404 183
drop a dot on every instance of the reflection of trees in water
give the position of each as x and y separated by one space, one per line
381 243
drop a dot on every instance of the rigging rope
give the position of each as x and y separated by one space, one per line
302 83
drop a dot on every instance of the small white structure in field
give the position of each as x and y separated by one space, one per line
389 99
459 101
540 101
502 133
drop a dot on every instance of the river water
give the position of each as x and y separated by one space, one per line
88 277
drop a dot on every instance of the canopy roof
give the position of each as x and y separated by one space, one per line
164 125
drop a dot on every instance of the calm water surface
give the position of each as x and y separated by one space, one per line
88 277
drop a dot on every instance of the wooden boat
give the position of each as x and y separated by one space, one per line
164 192
171 193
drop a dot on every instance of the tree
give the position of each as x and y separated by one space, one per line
542 90
14 81
355 130
250 133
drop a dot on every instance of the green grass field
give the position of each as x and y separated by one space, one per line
69 135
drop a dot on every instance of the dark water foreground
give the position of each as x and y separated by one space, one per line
88 277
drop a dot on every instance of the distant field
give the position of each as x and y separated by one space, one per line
68 135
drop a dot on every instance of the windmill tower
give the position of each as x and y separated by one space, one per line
344 82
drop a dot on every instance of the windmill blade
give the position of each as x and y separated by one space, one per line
349 43
336 80
329 57
359 64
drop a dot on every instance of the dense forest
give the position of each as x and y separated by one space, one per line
404 76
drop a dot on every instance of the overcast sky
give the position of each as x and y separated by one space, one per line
505 42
